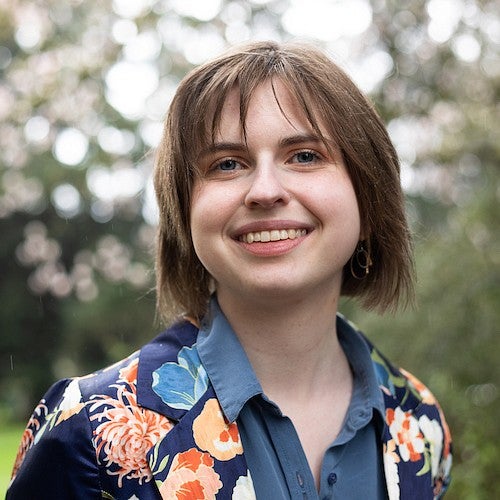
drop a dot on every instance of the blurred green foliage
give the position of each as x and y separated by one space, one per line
9 440
83 90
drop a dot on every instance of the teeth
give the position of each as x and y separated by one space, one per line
274 235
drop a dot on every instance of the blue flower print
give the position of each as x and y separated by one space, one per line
181 384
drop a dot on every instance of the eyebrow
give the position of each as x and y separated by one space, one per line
240 146
300 139
222 146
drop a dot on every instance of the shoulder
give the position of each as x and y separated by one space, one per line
91 414
405 391
395 382
55 453
61 420
416 432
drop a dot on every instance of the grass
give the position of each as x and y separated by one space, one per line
10 437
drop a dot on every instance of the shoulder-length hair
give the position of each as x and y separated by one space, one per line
331 102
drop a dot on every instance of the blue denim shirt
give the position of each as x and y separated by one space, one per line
352 467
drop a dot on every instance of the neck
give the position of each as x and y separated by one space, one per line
292 346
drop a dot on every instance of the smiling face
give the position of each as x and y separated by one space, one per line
273 213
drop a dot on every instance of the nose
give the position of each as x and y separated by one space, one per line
266 188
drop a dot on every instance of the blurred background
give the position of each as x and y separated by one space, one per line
84 86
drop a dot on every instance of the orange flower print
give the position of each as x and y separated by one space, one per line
28 436
26 442
405 431
214 434
426 395
129 373
390 450
191 477
444 472
447 436
126 433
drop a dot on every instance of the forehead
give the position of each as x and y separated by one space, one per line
221 108
269 104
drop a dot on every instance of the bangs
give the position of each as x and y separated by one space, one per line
249 72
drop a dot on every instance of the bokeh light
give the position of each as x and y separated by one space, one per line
70 146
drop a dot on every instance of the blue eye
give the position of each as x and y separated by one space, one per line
227 165
305 157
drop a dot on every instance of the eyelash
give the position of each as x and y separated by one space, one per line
315 155
216 167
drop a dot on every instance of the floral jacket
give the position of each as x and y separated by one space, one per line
151 427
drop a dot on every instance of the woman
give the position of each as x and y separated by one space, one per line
278 190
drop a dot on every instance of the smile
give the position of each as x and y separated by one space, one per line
273 235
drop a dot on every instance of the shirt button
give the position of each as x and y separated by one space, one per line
300 479
332 478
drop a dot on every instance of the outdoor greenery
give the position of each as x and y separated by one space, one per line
83 90
9 442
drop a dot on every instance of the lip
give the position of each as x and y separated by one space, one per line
269 225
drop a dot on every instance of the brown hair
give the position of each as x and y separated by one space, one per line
328 97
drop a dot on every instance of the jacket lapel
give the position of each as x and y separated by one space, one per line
202 454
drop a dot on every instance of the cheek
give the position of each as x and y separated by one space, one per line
209 212
336 202
213 203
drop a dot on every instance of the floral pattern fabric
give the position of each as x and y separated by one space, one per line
125 431
152 427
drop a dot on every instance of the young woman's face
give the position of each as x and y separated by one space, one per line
274 216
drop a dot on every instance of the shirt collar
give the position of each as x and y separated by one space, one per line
366 392
225 361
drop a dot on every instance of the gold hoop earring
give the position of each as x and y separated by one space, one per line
361 259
